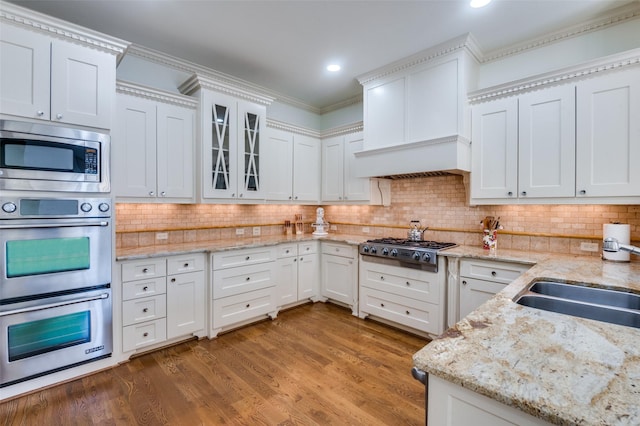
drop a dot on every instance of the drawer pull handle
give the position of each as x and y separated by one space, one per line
248 305
173 280
494 273
408 313
464 282
145 334
186 265
145 270
145 288
248 278
145 310
247 258
382 305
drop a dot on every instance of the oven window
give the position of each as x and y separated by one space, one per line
37 337
39 155
46 256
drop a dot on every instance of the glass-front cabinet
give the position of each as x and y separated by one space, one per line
232 140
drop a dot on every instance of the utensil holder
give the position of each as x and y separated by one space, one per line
490 240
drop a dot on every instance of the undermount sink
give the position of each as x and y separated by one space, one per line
612 306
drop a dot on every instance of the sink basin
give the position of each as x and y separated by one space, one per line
612 306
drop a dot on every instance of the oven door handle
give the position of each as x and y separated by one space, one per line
55 305
55 225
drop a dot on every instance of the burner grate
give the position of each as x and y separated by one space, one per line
433 245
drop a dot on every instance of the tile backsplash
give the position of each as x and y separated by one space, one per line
438 202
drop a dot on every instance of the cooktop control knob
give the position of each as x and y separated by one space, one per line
385 251
416 255
374 250
426 257
103 207
394 253
85 207
365 249
9 207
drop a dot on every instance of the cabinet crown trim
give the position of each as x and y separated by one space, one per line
223 84
280 125
630 58
149 93
58 28
403 147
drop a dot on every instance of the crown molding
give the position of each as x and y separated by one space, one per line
280 125
465 43
58 28
628 59
222 85
145 92
343 130
357 99
613 17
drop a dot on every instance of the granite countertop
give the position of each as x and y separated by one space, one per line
228 244
563 369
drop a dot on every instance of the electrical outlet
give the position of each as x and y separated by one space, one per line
365 229
162 236
239 231
256 231
589 247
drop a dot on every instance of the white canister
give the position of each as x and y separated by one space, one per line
622 233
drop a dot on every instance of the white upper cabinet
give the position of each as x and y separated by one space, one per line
51 79
608 135
291 167
153 145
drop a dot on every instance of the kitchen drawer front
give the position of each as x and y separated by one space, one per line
310 247
233 258
145 334
342 250
184 264
242 307
147 309
143 269
501 272
402 310
229 282
402 281
144 288
287 250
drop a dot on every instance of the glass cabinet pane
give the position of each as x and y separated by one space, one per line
251 151
220 147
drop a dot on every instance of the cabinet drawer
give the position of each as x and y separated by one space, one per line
242 307
147 309
342 250
287 250
233 258
310 247
142 269
228 282
144 334
416 284
410 312
501 272
182 264
144 288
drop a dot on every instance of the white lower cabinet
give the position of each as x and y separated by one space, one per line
162 299
298 271
479 281
339 274
453 405
408 297
242 287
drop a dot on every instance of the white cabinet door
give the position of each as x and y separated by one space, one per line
287 280
251 125
355 188
333 169
338 277
185 304
25 61
474 293
175 141
494 165
134 147
306 168
547 140
278 164
308 276
83 84
608 135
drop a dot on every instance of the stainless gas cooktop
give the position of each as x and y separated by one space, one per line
405 251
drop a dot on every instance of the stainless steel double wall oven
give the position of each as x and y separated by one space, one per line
55 254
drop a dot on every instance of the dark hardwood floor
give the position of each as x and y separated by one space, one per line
314 364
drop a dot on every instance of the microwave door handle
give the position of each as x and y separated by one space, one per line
55 305
54 225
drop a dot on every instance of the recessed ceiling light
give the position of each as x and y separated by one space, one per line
333 67
479 3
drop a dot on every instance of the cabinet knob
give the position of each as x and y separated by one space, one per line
248 305
381 277
494 273
173 280
59 116
145 270
346 198
233 195
408 313
40 113
295 198
382 305
145 334
510 194
583 192
248 278
339 198
145 288
464 283
145 310
524 193
408 283
241 195
290 197
152 193
247 258
163 194
186 265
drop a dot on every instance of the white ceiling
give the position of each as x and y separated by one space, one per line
285 45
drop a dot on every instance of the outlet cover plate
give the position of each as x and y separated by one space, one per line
593 247
162 236
256 231
239 231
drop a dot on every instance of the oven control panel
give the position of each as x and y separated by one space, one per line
40 208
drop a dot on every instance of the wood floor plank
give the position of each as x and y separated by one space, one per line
314 365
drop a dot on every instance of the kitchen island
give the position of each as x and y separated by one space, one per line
558 368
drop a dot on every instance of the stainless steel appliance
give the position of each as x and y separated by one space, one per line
55 285
422 254
39 157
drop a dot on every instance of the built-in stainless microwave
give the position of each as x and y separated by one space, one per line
39 157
